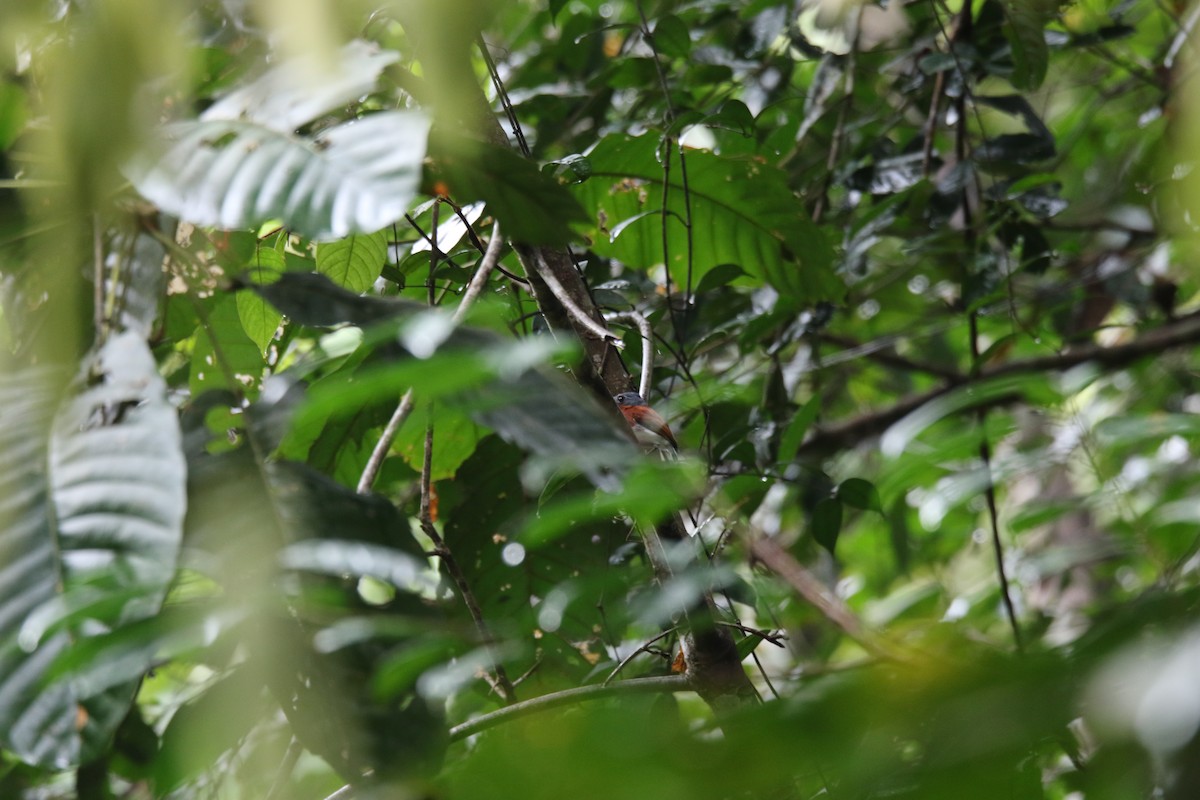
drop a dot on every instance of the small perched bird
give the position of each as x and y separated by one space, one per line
648 425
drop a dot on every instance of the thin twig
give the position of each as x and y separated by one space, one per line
662 683
671 143
405 407
783 564
931 122
1181 38
384 445
491 257
839 128
985 455
646 646
560 293
643 326
882 353
290 757
434 250
970 242
502 685
502 94
774 638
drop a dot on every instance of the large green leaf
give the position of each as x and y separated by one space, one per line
741 210
91 505
356 177
1027 20
259 319
354 262
531 205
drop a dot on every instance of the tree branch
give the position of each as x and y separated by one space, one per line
781 562
491 257
1184 331
664 683
643 326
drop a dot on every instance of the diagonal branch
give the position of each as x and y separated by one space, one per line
654 685
847 433
805 584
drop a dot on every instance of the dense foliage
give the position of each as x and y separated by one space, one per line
313 485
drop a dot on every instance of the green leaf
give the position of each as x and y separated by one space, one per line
741 210
827 522
797 428
1033 388
899 536
734 115
259 318
859 493
671 37
202 729
314 506
501 383
91 517
1025 30
455 435
354 262
532 207
356 177
748 644
224 356
718 276
14 111
359 559
651 490
1118 431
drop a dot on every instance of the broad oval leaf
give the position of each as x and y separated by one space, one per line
741 212
356 177
259 319
354 262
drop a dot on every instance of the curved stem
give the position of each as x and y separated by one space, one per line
665 683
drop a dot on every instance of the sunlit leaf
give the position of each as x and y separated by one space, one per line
291 94
356 177
259 319
92 505
898 436
354 262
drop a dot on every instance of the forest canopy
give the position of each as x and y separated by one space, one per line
312 316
